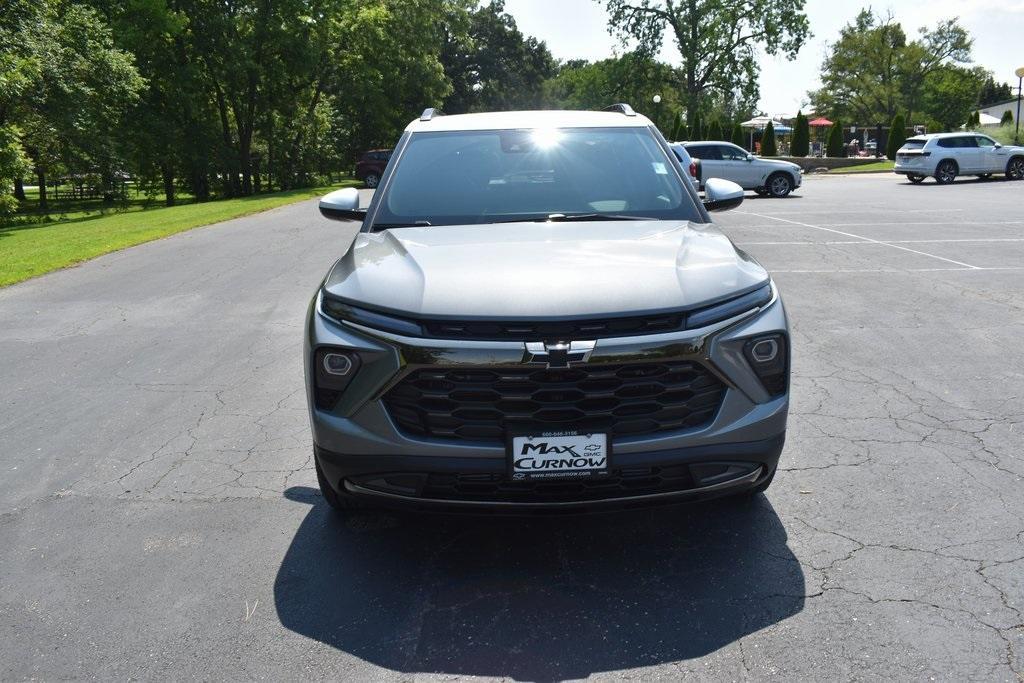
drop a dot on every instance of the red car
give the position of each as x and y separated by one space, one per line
370 166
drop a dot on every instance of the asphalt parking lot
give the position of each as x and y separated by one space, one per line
159 514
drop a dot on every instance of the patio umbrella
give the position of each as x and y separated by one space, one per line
757 122
819 122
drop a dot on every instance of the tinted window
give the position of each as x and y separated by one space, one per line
958 142
460 177
983 141
912 144
730 153
703 151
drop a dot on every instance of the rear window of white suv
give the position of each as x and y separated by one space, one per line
483 176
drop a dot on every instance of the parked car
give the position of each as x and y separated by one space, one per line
538 313
688 163
944 156
371 165
767 177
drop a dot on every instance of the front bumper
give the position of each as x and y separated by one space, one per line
357 438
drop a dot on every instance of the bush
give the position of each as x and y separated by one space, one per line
897 136
715 130
696 127
13 165
801 146
739 138
1007 118
836 147
677 127
768 148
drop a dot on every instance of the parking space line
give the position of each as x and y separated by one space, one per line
891 270
936 241
860 237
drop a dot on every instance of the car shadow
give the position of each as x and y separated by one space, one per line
537 598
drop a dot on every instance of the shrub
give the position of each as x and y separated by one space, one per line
835 147
738 136
677 127
801 146
715 130
768 148
1007 118
897 136
696 127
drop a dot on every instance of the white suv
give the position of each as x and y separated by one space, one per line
947 155
767 177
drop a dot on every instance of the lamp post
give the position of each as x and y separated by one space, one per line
657 111
1020 77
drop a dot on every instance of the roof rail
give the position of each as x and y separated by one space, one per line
429 113
622 108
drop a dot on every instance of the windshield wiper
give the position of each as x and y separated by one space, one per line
388 226
572 217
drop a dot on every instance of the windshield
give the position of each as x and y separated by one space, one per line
461 177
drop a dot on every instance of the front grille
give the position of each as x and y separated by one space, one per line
636 481
594 328
478 404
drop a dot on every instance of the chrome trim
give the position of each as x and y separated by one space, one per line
746 479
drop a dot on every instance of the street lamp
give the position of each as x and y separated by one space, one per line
1020 77
657 110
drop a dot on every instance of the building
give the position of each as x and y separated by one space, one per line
996 110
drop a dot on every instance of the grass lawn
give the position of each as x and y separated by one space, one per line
884 165
33 246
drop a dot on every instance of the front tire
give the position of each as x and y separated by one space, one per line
916 179
779 185
1015 169
946 172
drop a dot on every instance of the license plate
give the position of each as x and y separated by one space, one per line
558 455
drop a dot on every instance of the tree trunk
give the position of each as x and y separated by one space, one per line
19 189
245 158
168 177
231 186
41 176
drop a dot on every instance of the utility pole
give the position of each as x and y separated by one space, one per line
1020 77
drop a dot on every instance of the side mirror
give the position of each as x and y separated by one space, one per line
721 195
342 205
750 157
998 145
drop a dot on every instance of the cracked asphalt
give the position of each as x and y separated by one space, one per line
159 515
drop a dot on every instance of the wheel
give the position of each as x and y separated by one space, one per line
339 502
372 180
779 185
984 176
916 179
1015 169
945 173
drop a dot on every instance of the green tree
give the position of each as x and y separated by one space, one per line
697 131
633 78
715 129
897 136
873 71
768 147
835 147
951 92
717 40
801 145
1007 119
992 92
677 126
738 136
495 67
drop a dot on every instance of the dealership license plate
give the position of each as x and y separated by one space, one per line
558 455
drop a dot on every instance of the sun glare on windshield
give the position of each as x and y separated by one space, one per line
546 138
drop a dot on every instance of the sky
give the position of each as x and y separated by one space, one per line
578 29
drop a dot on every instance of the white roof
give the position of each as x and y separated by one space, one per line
506 120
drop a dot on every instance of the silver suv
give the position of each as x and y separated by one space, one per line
767 177
538 313
947 155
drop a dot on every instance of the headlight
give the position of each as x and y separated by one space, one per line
342 311
727 309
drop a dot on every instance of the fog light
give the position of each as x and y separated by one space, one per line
765 350
769 359
337 364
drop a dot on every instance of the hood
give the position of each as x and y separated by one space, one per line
779 163
543 270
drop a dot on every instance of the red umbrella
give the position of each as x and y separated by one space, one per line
820 121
